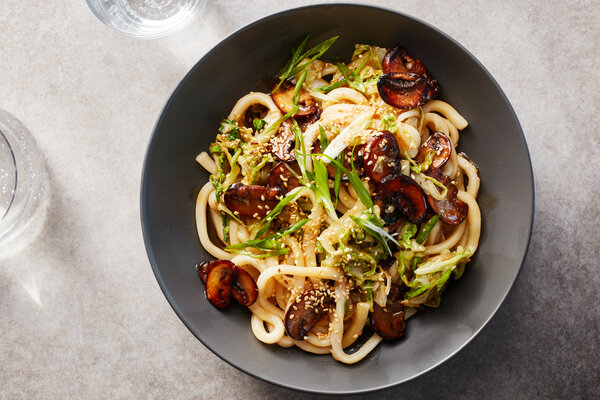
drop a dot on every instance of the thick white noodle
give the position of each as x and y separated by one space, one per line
346 115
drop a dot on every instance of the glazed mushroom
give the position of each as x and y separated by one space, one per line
398 60
404 90
203 269
405 82
284 96
403 194
224 279
452 210
440 148
219 281
307 310
244 288
381 156
388 322
284 176
252 201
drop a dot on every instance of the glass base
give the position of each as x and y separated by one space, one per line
23 188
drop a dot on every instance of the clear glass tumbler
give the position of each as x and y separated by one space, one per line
23 189
145 18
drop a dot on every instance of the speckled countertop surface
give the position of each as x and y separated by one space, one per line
81 314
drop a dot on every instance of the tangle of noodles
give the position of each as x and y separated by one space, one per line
316 254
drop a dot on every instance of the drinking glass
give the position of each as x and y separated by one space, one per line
23 189
145 18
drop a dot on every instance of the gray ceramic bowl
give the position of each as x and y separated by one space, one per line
239 64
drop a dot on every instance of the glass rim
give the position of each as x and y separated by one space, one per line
30 192
146 32
16 173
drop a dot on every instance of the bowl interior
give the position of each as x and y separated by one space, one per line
242 63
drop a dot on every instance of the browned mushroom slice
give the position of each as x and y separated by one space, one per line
399 195
307 120
308 308
251 201
282 144
432 90
284 98
203 269
398 60
219 282
388 322
381 156
439 146
244 288
284 176
403 90
452 210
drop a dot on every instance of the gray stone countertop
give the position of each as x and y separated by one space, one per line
81 314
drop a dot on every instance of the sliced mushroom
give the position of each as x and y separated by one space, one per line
403 90
284 98
308 308
305 121
284 176
452 210
381 156
203 269
398 60
398 85
388 321
219 281
433 89
252 201
244 288
399 195
441 147
282 144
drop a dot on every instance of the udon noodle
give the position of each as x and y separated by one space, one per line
334 233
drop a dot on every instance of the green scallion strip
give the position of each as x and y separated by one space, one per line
321 187
286 71
298 88
323 138
315 52
378 233
276 124
292 67
266 221
355 181
337 182
270 243
426 229
279 252
225 218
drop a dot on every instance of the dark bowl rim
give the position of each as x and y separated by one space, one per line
150 147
